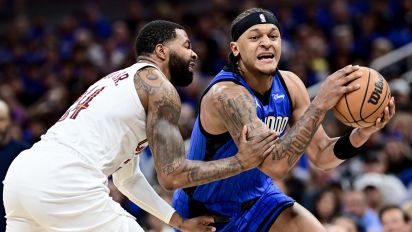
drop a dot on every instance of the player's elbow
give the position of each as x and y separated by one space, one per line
166 183
169 183
323 164
275 173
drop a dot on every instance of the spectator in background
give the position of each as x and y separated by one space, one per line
335 228
379 187
327 206
355 203
9 149
407 207
394 219
348 222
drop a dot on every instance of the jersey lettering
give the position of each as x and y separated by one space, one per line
117 77
82 103
140 146
278 124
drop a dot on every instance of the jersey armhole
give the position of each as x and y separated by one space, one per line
226 134
282 81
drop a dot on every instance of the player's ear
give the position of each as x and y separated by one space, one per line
161 51
234 48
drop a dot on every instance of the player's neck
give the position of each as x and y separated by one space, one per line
259 82
150 60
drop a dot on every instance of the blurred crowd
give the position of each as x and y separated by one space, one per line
46 65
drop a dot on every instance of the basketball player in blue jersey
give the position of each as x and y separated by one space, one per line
252 91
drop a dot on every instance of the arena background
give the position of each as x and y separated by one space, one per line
51 51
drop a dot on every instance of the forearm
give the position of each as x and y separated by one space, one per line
175 171
289 148
325 158
194 172
337 150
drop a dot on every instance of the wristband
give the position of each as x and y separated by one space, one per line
344 149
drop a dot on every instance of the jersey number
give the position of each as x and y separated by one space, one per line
81 103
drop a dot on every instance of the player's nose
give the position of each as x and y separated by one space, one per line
265 41
194 55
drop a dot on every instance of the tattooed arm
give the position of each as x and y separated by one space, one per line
235 106
230 105
162 104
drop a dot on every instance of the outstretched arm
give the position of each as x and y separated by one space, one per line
166 143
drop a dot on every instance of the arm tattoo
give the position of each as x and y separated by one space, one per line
236 112
169 149
140 83
166 135
166 141
295 141
162 132
201 173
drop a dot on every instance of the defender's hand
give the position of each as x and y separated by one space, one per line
381 121
198 224
335 86
253 151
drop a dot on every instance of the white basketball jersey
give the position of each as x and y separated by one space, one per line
107 124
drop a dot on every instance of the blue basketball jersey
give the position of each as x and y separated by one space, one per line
228 196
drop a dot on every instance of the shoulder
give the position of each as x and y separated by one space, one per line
292 81
153 87
151 80
296 88
226 88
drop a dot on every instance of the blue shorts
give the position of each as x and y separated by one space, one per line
257 216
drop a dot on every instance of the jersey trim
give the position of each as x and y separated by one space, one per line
282 81
226 134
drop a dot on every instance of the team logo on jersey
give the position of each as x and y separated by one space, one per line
277 96
262 18
277 124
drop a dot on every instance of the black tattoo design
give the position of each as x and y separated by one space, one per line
295 141
164 136
201 173
141 76
236 111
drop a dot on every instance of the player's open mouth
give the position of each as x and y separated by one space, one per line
268 57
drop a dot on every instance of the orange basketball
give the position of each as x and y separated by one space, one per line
362 107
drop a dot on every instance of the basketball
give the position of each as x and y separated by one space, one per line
362 107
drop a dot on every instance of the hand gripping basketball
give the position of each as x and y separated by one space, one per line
361 108
336 85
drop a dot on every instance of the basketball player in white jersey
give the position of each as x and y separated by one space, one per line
60 184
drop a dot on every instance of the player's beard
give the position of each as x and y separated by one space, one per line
180 75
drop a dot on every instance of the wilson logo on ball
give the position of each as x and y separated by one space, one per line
377 91
362 107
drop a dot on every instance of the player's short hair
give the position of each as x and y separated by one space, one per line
154 33
386 208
